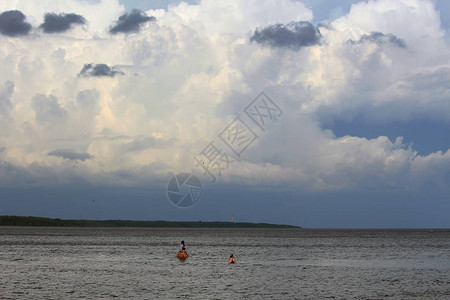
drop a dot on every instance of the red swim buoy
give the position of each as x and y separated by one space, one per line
182 255
431 231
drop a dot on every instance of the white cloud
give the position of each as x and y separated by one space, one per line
48 110
238 17
184 76
6 91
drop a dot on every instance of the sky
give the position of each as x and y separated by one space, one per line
321 114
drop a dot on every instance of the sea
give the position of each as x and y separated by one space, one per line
140 263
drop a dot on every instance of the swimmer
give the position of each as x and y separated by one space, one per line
232 260
182 245
182 254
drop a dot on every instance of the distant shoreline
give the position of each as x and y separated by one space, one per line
50 222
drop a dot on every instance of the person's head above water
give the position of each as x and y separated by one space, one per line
182 242
231 255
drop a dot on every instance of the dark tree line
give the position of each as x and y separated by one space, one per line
38 221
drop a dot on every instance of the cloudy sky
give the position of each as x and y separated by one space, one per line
103 101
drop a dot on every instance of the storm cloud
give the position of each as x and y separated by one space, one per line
381 39
98 70
294 35
130 22
54 23
70 155
12 23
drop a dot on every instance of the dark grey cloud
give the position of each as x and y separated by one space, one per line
99 70
54 23
70 155
294 35
381 39
47 109
12 23
6 91
131 22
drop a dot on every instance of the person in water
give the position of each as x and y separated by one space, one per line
182 246
232 260
182 254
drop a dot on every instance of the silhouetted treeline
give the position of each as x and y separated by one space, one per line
38 221
35 221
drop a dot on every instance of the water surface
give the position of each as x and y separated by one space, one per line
96 263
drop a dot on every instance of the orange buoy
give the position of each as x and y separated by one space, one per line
182 255
431 231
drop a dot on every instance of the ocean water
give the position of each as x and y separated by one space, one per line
130 263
